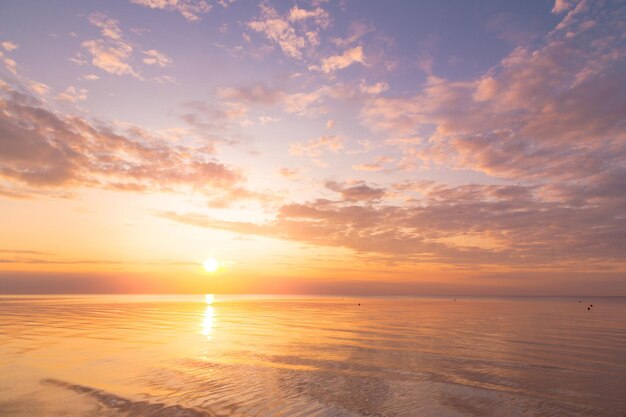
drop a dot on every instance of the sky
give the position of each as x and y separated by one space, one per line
314 147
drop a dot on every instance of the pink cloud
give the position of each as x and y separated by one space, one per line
315 148
293 31
41 149
550 111
189 9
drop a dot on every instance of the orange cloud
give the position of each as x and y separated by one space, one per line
472 224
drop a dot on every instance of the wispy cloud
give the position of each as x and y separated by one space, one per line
373 89
73 94
39 88
189 9
294 31
290 173
9 46
154 57
316 147
111 54
337 62
115 54
111 57
258 93
377 165
109 27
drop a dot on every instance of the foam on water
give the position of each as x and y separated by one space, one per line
134 408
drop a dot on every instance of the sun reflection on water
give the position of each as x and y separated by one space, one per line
208 321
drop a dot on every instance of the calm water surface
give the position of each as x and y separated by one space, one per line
177 356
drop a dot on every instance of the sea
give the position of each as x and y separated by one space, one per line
197 355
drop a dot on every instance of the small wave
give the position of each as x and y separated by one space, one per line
133 408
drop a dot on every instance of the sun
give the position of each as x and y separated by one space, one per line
211 265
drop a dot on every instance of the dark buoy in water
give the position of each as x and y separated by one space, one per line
588 308
359 303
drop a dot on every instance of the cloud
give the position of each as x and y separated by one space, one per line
293 31
108 27
473 224
9 46
189 9
396 116
256 94
308 103
111 54
90 77
336 62
356 31
486 89
78 60
94 283
225 3
289 173
9 64
373 89
373 167
356 192
163 79
312 103
279 31
114 54
39 88
315 148
112 58
321 17
43 150
73 94
376 165
550 111
561 5
154 57
23 252
216 122
546 124
265 120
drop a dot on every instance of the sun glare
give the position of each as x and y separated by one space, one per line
211 265
209 298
